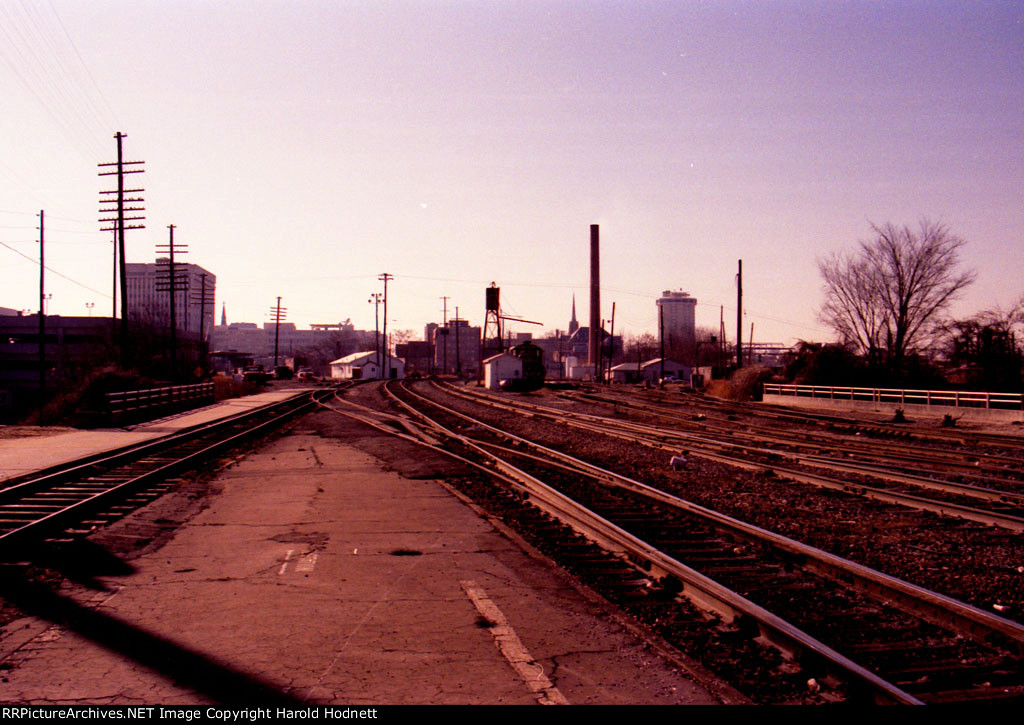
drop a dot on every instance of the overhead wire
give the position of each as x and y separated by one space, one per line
38 49
82 67
28 68
53 271
43 57
40 53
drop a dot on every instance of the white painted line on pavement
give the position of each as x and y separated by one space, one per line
284 566
306 563
513 650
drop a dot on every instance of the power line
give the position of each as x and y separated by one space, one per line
40 61
53 271
83 66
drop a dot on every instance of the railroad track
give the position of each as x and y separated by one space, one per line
74 499
878 650
832 422
986 468
1001 508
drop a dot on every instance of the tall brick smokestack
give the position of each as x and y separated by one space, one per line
595 296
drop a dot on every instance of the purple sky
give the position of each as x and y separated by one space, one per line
302 148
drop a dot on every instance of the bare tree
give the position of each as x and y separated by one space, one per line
400 337
888 297
640 348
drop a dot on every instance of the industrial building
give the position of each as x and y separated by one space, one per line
320 344
566 352
365 366
416 354
652 371
72 348
456 347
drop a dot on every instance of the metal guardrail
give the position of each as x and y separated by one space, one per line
137 404
878 396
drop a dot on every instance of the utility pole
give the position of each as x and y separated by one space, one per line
661 337
42 315
169 280
639 359
739 316
384 277
116 205
375 301
611 345
205 296
113 294
444 369
721 338
277 314
458 347
594 343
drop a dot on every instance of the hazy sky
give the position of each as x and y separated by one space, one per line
302 148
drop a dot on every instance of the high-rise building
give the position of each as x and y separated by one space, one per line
149 302
677 327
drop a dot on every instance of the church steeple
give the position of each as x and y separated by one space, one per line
573 324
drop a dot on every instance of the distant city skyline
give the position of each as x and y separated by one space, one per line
302 149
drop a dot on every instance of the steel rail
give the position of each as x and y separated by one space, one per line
53 475
783 412
935 607
706 448
86 506
850 466
945 435
703 591
877 471
891 451
985 516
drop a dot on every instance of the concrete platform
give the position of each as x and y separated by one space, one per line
314 576
24 455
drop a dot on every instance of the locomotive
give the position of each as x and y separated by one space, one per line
532 358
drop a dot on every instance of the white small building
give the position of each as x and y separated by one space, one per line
501 367
363 366
652 370
576 370
628 372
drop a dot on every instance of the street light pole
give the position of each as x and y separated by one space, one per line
387 353
375 301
